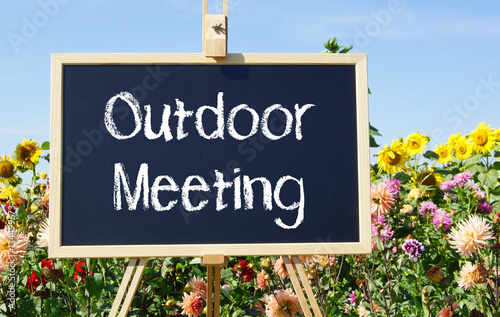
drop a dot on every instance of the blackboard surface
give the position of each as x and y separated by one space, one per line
325 158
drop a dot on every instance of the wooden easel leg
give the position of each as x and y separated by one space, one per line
209 290
214 263
291 269
217 269
137 264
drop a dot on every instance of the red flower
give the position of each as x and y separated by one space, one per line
33 281
242 269
80 270
48 264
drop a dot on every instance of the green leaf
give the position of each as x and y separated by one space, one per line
195 261
238 312
403 177
346 49
478 168
489 179
45 145
96 283
372 142
431 155
374 131
472 160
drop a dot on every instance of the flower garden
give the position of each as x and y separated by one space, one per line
435 229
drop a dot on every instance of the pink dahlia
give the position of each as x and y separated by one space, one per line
192 304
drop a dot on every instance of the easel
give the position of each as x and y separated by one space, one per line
137 265
291 268
215 46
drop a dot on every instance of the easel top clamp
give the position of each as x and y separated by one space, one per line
215 32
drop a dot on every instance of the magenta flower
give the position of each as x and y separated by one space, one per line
393 185
428 208
447 185
442 220
386 233
352 298
462 178
484 208
413 248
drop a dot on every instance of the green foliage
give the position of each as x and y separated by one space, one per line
332 46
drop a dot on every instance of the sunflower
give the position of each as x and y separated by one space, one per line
483 139
8 170
392 159
445 153
9 193
496 134
28 153
426 177
463 149
415 143
452 140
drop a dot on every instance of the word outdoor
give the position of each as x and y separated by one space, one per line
241 185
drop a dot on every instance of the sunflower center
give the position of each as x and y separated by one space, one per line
481 138
6 169
414 144
427 179
393 158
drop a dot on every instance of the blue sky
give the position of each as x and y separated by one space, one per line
433 67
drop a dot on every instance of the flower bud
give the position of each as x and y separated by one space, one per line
43 175
170 303
496 217
265 262
188 288
435 274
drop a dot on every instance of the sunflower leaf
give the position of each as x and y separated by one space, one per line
372 142
374 131
403 177
431 155
489 179
45 145
473 160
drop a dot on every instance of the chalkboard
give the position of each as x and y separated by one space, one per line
182 155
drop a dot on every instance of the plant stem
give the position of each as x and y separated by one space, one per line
487 284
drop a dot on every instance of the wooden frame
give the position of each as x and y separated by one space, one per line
57 250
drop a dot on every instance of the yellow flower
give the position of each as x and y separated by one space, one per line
7 169
463 149
392 159
445 153
452 140
9 193
483 139
496 133
415 143
28 153
415 194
